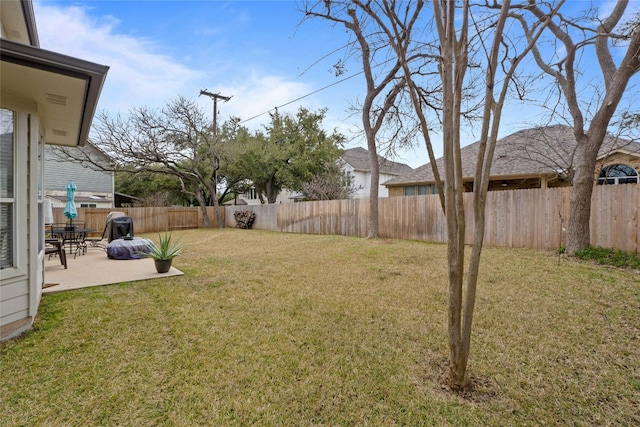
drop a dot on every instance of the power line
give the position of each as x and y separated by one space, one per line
303 96
314 92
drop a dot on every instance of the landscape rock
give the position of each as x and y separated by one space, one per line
244 219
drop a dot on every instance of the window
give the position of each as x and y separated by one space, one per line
348 179
251 194
427 189
88 205
7 188
618 174
409 191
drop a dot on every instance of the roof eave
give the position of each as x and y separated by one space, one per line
620 150
54 64
30 21
470 179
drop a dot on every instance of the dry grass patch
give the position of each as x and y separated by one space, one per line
286 329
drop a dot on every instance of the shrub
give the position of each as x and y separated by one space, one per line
608 256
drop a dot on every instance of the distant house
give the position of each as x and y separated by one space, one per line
357 166
532 158
45 98
121 200
95 188
356 170
251 197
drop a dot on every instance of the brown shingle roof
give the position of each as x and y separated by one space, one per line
358 158
536 151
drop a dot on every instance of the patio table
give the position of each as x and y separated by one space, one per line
74 236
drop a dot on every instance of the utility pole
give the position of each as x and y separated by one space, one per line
216 160
215 97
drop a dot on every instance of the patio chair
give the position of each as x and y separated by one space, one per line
95 242
55 246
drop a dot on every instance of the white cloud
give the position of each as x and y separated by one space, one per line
137 74
141 75
255 94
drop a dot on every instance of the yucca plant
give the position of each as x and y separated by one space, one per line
165 249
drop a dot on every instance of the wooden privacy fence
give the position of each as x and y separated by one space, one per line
145 220
535 218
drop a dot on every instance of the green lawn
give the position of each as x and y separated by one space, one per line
276 329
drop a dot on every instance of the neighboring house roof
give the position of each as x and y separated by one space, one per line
126 196
538 151
358 159
81 199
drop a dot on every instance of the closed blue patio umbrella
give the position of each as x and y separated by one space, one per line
70 212
70 208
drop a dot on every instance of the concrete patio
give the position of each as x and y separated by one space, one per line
95 269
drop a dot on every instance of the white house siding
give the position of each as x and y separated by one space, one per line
14 307
250 197
20 289
58 173
284 197
35 218
362 183
29 76
382 190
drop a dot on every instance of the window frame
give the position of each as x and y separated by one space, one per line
409 190
40 195
25 130
605 179
424 190
10 198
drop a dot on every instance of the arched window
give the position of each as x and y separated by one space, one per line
618 174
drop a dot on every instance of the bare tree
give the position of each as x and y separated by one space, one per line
331 184
570 38
377 105
177 140
450 53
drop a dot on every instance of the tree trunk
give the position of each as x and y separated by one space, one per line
271 192
615 79
216 204
453 63
373 191
578 235
219 220
203 208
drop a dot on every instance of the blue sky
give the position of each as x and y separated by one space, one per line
255 51
258 52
